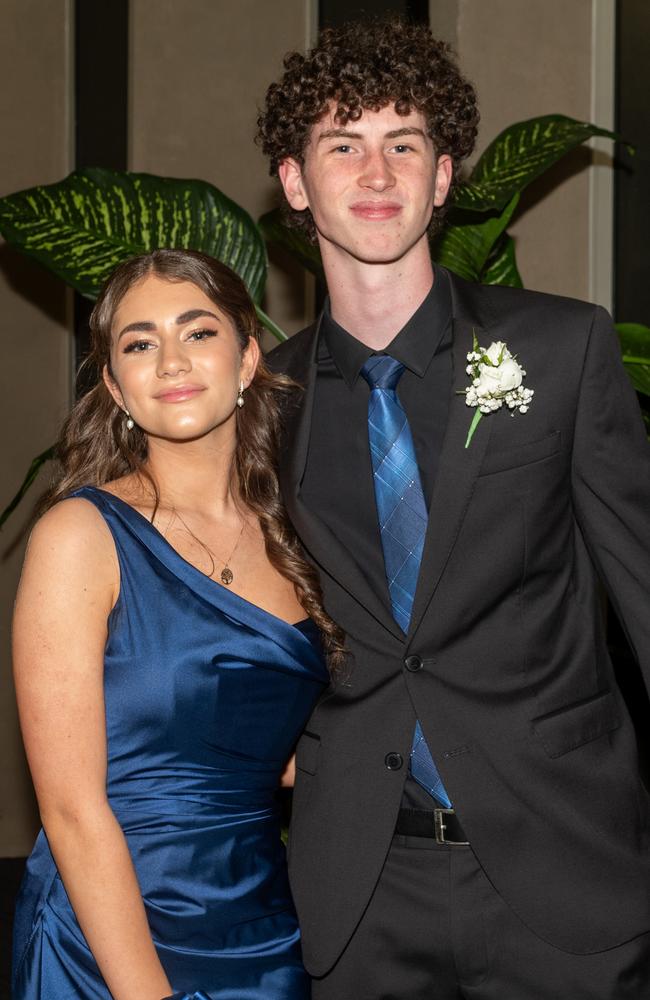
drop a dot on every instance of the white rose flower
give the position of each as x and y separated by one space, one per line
509 374
496 379
499 380
496 350
488 380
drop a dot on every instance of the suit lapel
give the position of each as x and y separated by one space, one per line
318 539
459 466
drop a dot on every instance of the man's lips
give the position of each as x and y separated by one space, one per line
375 209
178 393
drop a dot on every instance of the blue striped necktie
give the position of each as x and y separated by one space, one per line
403 519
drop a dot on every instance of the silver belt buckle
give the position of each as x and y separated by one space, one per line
440 827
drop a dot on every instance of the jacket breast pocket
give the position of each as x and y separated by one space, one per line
308 752
518 455
576 725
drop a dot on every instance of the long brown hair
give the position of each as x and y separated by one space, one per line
96 446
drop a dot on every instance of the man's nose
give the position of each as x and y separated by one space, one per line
376 173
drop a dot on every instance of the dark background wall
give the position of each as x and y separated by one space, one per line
632 204
334 12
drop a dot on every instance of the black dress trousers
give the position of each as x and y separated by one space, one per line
436 929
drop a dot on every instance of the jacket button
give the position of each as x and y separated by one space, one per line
413 663
393 761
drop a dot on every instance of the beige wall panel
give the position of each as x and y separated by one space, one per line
199 72
443 20
527 59
35 343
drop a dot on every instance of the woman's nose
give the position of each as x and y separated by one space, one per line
173 359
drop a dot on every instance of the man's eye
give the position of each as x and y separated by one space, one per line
137 347
343 148
402 148
202 334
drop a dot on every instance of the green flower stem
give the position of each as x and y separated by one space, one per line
270 325
474 424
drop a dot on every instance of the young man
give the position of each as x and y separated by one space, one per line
468 815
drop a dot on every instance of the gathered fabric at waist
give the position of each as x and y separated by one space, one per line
176 788
215 809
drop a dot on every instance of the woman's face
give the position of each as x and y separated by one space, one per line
176 361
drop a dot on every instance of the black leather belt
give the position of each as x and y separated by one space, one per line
442 825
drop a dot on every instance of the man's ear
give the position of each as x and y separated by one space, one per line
290 174
113 387
444 173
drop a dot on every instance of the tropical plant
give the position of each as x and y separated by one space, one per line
83 226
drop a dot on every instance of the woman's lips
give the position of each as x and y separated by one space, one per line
376 209
179 394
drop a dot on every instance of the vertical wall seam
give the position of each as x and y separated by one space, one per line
601 173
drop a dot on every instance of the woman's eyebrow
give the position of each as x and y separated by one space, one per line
191 314
146 326
142 326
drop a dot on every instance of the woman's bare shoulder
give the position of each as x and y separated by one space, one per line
73 537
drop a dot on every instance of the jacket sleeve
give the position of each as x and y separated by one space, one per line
611 484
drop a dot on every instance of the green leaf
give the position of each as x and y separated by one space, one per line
635 345
294 241
272 327
32 473
501 266
83 226
518 155
465 247
472 427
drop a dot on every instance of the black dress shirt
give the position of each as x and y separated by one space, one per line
338 481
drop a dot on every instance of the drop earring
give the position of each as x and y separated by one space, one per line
129 421
240 395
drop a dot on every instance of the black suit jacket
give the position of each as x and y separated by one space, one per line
517 696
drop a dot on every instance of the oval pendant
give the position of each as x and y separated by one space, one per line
226 576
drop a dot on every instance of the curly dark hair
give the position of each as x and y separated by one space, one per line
365 66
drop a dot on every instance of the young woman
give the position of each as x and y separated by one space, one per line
168 649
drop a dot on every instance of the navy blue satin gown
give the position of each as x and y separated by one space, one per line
206 695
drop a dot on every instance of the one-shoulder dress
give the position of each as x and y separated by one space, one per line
206 695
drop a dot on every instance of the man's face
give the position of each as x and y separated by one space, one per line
370 185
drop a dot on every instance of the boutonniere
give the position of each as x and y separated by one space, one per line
496 379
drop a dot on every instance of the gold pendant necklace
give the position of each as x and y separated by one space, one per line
226 576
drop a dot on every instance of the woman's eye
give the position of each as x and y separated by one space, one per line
137 347
202 334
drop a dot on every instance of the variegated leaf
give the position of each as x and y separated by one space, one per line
275 230
501 266
518 155
465 247
83 226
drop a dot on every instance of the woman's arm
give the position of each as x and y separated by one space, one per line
288 778
69 584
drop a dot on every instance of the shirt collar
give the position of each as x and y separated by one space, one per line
414 345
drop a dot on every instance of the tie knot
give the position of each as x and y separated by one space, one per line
382 372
